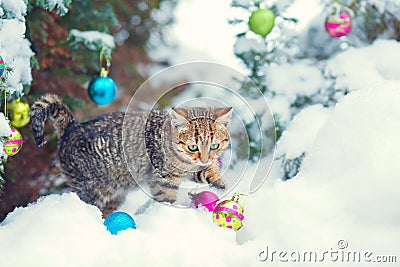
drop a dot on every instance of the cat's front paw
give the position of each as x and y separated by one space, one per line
166 197
220 184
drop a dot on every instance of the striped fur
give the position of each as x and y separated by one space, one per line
48 107
101 165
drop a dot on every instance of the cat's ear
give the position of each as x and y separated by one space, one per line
178 117
223 115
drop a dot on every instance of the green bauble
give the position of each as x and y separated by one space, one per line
261 21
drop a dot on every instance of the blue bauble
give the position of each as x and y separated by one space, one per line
102 90
119 221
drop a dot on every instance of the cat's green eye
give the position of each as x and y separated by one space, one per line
193 148
214 146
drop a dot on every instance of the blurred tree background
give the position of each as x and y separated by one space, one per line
311 47
66 37
64 63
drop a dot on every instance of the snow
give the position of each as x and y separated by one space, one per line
300 134
60 5
242 45
392 6
13 9
346 190
287 82
5 129
295 79
202 31
356 153
16 49
304 15
88 243
16 52
377 62
92 39
281 107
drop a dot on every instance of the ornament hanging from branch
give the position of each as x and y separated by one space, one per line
262 21
2 66
12 144
338 22
102 89
19 113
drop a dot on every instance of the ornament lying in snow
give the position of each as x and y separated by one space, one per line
206 199
229 213
118 221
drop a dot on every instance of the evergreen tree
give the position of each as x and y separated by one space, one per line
311 47
61 43
52 50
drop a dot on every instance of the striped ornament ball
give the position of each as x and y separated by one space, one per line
13 143
229 214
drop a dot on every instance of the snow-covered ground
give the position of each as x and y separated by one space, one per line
348 190
341 207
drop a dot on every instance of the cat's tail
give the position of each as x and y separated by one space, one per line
49 106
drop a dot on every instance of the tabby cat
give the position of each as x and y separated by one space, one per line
100 156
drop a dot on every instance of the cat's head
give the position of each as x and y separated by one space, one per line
200 134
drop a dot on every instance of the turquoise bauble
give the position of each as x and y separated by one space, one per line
118 221
102 90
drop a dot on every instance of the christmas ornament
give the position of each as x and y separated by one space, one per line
102 89
338 22
12 145
206 199
219 162
229 213
118 221
2 66
261 21
19 113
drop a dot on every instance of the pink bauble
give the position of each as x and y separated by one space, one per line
338 24
219 162
206 199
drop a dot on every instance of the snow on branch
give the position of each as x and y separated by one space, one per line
61 6
13 9
93 40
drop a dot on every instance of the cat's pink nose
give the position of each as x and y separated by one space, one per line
204 161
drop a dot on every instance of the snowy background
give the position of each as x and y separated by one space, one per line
347 188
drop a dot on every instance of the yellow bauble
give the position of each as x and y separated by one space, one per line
18 112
